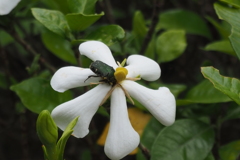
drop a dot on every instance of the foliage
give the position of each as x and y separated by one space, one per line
38 37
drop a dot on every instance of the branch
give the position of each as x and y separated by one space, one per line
156 10
30 49
145 151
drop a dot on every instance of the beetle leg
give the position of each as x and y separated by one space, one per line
90 77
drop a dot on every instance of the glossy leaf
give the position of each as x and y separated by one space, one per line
149 135
184 140
230 151
221 46
204 92
235 3
231 15
107 34
79 21
37 95
82 6
184 20
59 46
170 45
227 85
53 20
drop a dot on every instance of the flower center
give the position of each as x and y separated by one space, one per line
120 74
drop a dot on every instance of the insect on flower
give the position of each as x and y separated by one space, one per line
104 71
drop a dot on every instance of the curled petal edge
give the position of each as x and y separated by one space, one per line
144 67
70 77
84 106
161 103
96 50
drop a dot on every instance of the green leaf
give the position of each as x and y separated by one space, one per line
221 46
46 129
210 157
235 3
107 34
231 15
149 135
227 85
170 45
79 21
184 20
37 95
233 112
139 30
48 134
204 92
60 5
66 134
82 6
231 151
53 20
224 29
184 140
59 46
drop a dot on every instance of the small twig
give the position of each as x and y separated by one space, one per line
107 7
157 4
31 50
145 151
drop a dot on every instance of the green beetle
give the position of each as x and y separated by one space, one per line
104 71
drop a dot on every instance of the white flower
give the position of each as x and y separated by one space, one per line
6 6
121 138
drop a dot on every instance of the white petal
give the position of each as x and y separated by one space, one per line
96 50
84 106
6 6
122 138
144 67
161 103
71 77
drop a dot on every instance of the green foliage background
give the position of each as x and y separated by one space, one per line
196 43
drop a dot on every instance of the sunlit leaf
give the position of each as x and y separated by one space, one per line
79 21
106 34
184 140
231 15
170 45
82 6
184 20
235 3
59 46
230 151
53 20
37 95
227 85
221 46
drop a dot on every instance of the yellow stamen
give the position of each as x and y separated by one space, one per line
120 74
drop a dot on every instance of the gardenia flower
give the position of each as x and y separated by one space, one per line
121 138
6 6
